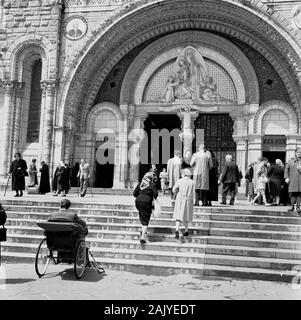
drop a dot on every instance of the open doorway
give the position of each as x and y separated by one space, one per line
104 172
273 155
161 121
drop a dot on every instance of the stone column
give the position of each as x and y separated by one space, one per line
7 125
136 136
42 118
292 141
254 147
120 170
17 115
49 86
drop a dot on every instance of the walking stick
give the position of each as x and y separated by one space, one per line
6 185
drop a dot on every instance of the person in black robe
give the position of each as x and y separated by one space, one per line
44 186
18 171
74 179
213 180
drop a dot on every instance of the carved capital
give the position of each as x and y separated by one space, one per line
19 88
48 86
8 86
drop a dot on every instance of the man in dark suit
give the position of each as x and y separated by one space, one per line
65 215
229 177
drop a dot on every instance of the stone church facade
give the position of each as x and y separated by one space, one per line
82 76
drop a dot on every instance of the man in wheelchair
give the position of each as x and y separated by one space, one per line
66 215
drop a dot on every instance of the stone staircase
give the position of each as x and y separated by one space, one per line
223 242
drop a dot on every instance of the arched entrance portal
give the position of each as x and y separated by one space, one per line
130 66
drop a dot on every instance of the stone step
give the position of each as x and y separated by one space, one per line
255 242
110 234
206 247
94 242
138 254
25 226
89 205
260 234
165 268
126 222
36 212
175 257
135 226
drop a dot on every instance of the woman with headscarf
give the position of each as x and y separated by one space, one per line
183 211
32 171
61 180
145 193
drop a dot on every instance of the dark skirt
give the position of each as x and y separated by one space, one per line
145 211
275 188
18 182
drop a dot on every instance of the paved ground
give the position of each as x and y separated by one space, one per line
21 282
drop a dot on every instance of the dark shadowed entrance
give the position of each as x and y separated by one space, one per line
162 121
218 130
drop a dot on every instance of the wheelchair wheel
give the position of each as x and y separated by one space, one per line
80 260
43 257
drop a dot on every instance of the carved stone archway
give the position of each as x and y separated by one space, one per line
249 24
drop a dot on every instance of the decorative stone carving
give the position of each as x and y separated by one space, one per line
75 27
190 80
296 17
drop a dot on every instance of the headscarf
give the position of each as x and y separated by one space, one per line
186 172
146 180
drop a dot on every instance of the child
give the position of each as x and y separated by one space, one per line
262 181
163 180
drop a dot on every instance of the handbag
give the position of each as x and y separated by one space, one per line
157 209
2 234
3 215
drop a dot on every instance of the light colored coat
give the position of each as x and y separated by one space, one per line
185 189
259 167
84 171
201 163
292 172
174 166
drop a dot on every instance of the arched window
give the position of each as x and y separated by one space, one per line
35 99
275 122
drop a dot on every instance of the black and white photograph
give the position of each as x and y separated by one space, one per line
150 153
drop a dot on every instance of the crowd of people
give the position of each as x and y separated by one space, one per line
64 177
189 183
275 184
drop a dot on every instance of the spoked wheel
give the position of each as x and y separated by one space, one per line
43 257
80 259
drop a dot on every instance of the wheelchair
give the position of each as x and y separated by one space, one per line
64 243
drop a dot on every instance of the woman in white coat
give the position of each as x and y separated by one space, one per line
183 211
